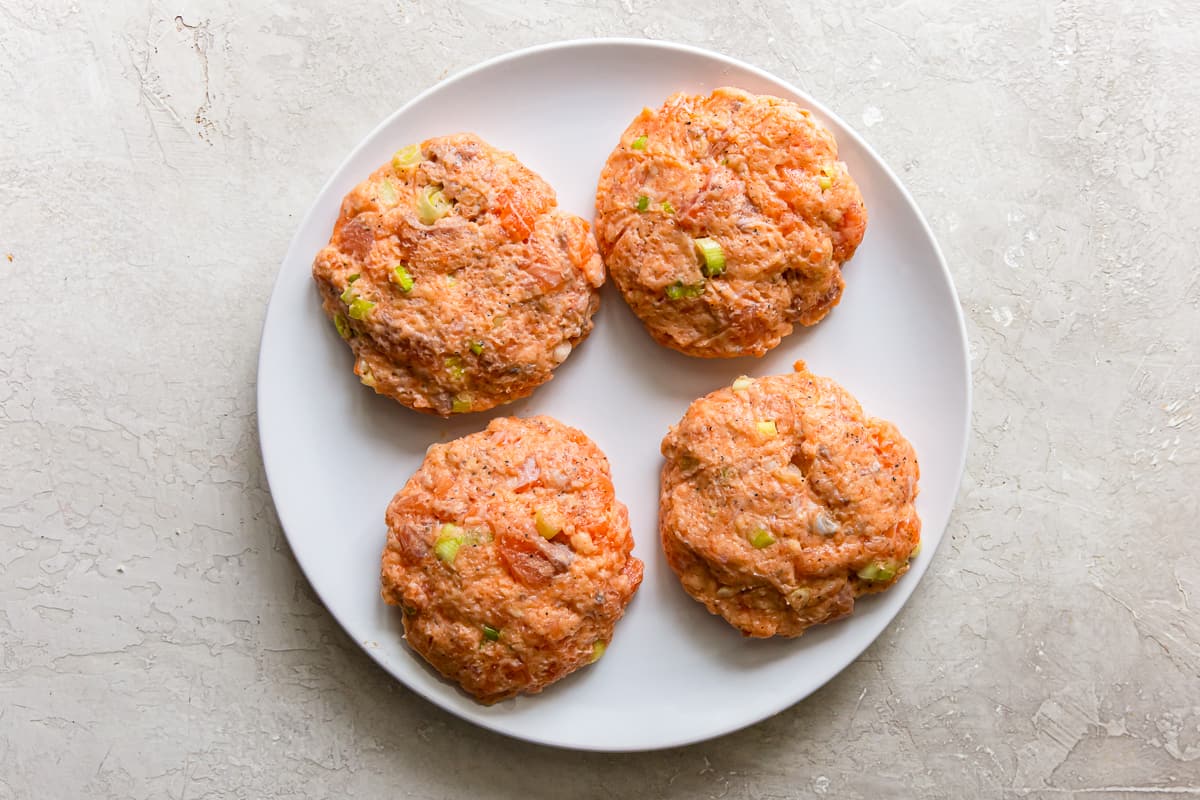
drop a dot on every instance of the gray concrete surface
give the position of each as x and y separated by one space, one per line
156 637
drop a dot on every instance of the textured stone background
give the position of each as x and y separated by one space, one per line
156 637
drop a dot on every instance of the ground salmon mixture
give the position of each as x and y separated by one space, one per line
725 219
782 502
510 557
455 278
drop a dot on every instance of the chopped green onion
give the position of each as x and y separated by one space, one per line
826 179
679 290
461 404
343 327
713 256
643 203
354 277
451 280
407 158
454 366
432 205
449 539
666 207
766 427
491 634
761 537
361 309
447 549
387 192
401 278
639 143
878 571
548 523
743 383
598 649
476 347
367 377
349 295
916 551
799 598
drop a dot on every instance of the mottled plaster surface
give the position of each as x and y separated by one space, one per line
156 637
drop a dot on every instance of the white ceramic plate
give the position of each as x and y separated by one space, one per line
335 452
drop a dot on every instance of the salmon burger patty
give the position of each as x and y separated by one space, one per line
724 220
510 557
782 502
455 278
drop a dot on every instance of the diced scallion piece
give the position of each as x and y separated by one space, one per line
449 539
460 404
401 278
666 207
742 383
639 143
349 295
799 598
386 193
491 634
354 277
432 204
360 308
916 551
343 327
826 179
643 203
367 377
760 538
766 427
679 290
454 366
407 158
548 523
598 649
711 256
878 571
476 347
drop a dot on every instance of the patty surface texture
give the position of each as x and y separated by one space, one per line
781 502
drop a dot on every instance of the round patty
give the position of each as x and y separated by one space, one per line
510 557
755 182
455 279
782 502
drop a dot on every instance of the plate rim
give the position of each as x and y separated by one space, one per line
850 655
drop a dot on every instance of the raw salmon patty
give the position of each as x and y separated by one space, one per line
724 220
782 502
510 557
455 278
